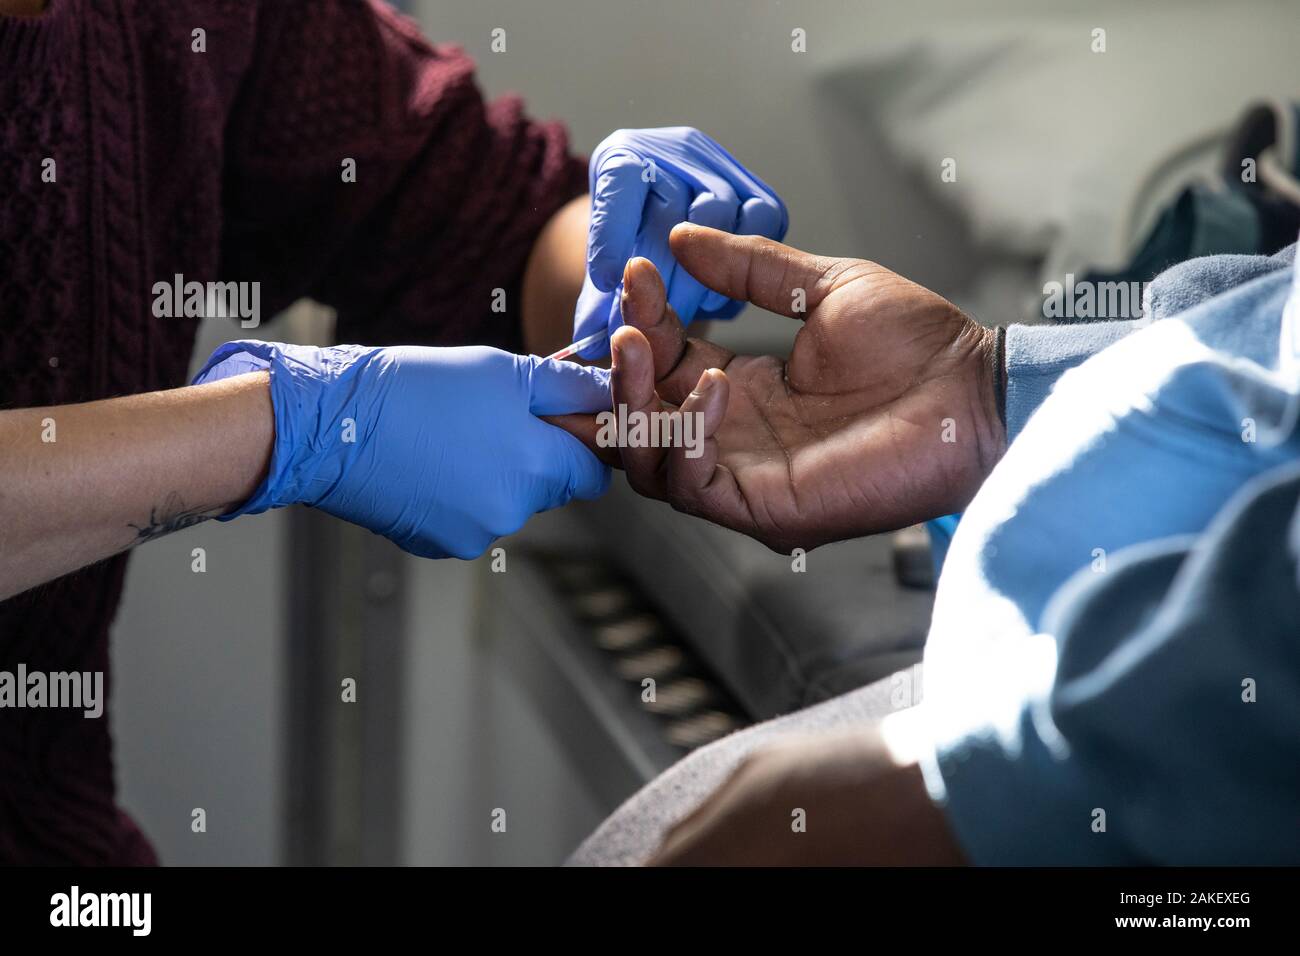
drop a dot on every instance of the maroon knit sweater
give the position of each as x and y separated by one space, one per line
223 165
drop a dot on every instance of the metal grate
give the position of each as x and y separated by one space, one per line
689 703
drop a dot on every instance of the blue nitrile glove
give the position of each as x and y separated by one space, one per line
645 181
437 449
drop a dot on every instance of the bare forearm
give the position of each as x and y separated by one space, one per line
553 278
79 483
842 799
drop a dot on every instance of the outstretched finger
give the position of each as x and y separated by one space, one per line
678 361
697 483
632 376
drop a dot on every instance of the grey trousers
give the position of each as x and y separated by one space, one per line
634 831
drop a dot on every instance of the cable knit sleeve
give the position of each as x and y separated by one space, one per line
449 192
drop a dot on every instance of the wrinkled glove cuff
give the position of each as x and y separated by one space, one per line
299 376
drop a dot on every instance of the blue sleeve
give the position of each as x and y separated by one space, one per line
1037 355
1113 665
1168 734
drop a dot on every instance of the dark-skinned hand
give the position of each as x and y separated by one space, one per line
836 799
883 415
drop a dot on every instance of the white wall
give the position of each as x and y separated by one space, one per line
725 67
198 684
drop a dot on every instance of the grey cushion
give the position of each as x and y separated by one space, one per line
779 639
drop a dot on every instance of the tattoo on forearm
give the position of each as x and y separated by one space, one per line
171 515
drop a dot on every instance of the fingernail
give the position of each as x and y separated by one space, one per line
705 383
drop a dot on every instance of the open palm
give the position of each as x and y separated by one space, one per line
883 415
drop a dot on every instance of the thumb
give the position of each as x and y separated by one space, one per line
770 274
561 388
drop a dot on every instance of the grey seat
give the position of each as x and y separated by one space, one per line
779 639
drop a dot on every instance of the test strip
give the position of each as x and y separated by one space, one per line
578 346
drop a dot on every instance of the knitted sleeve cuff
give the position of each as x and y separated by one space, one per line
1037 355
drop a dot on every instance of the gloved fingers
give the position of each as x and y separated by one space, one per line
587 429
442 545
754 269
612 319
759 216
618 194
762 216
697 483
685 293
576 472
537 467
729 310
667 205
714 303
561 388
748 186
769 215
634 391
592 314
678 361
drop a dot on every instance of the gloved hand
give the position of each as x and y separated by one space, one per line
437 449
645 181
